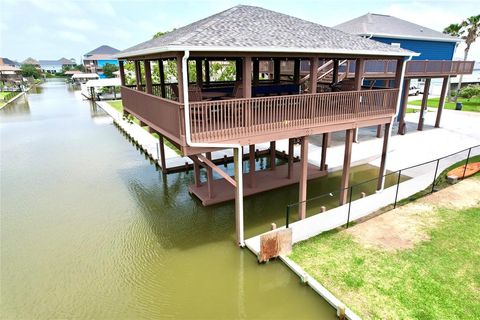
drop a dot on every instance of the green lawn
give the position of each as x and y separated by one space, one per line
472 104
436 279
7 95
117 104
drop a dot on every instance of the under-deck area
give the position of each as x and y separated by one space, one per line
221 190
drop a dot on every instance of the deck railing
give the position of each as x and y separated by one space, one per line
230 119
438 67
163 115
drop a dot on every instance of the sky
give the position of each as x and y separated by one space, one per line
51 29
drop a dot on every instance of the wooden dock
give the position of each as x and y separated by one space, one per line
265 180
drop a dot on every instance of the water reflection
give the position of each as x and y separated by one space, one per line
20 106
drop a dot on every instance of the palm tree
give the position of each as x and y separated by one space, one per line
469 31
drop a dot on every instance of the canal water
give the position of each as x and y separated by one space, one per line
90 229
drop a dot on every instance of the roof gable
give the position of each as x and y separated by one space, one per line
104 49
389 26
30 60
251 28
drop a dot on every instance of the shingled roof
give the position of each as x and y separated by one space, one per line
103 50
387 26
254 29
30 60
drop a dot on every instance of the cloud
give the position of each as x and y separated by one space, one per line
73 36
80 24
57 6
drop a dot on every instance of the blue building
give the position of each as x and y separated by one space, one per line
431 44
95 60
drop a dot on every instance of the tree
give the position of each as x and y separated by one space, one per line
29 70
109 69
469 31
158 34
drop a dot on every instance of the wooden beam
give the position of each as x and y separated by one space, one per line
312 88
122 72
215 168
386 136
403 107
199 69
207 71
161 71
247 77
302 194
196 173
238 69
273 155
138 75
251 164
148 77
398 74
359 68
256 71
335 71
347 158
296 71
379 130
276 70
209 177
162 153
290 159
423 109
441 102
323 160
180 78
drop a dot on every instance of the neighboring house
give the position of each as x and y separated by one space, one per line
32 61
8 62
95 60
10 77
431 44
55 66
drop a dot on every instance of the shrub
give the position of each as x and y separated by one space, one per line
470 91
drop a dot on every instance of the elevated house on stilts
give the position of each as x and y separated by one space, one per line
200 115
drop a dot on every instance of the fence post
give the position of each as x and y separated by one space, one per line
466 163
398 185
349 205
288 215
435 176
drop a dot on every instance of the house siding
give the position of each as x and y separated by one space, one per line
102 63
429 50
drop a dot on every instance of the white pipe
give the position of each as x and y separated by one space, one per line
236 147
397 108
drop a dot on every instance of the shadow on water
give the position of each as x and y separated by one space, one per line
174 214
20 107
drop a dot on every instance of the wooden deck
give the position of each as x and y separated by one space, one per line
265 180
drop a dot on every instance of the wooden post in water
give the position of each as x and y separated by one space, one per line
290 159
383 160
273 155
323 161
209 177
162 153
251 164
346 167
